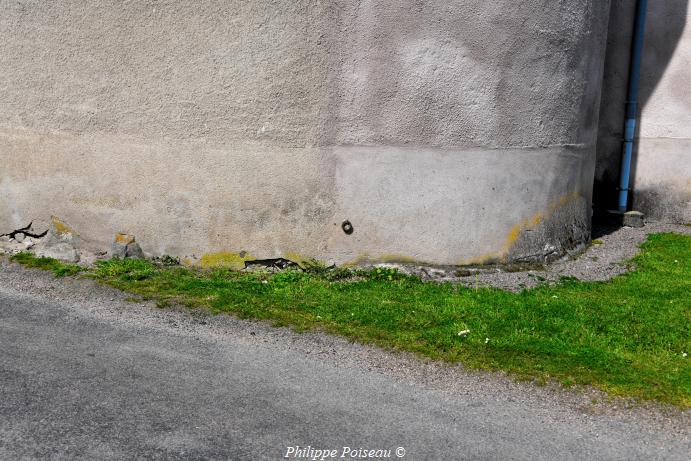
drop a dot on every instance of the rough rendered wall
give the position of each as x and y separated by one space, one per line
445 131
662 164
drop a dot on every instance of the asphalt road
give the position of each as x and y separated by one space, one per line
87 376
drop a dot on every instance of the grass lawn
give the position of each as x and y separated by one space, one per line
626 337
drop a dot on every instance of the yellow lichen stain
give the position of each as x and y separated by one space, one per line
234 261
357 260
535 220
401 259
392 258
517 229
124 239
483 259
514 233
102 202
297 258
60 227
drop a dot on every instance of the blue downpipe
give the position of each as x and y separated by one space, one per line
632 103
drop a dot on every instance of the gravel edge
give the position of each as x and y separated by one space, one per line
599 261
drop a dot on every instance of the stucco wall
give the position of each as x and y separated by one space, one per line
661 178
445 131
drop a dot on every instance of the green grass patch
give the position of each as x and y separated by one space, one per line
59 268
625 336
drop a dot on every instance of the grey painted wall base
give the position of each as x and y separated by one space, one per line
443 206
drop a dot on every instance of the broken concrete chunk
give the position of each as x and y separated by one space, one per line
124 239
118 251
125 246
134 251
59 232
59 242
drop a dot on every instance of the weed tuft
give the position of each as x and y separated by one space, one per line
59 268
167 261
125 269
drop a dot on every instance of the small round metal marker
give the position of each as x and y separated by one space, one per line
347 227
